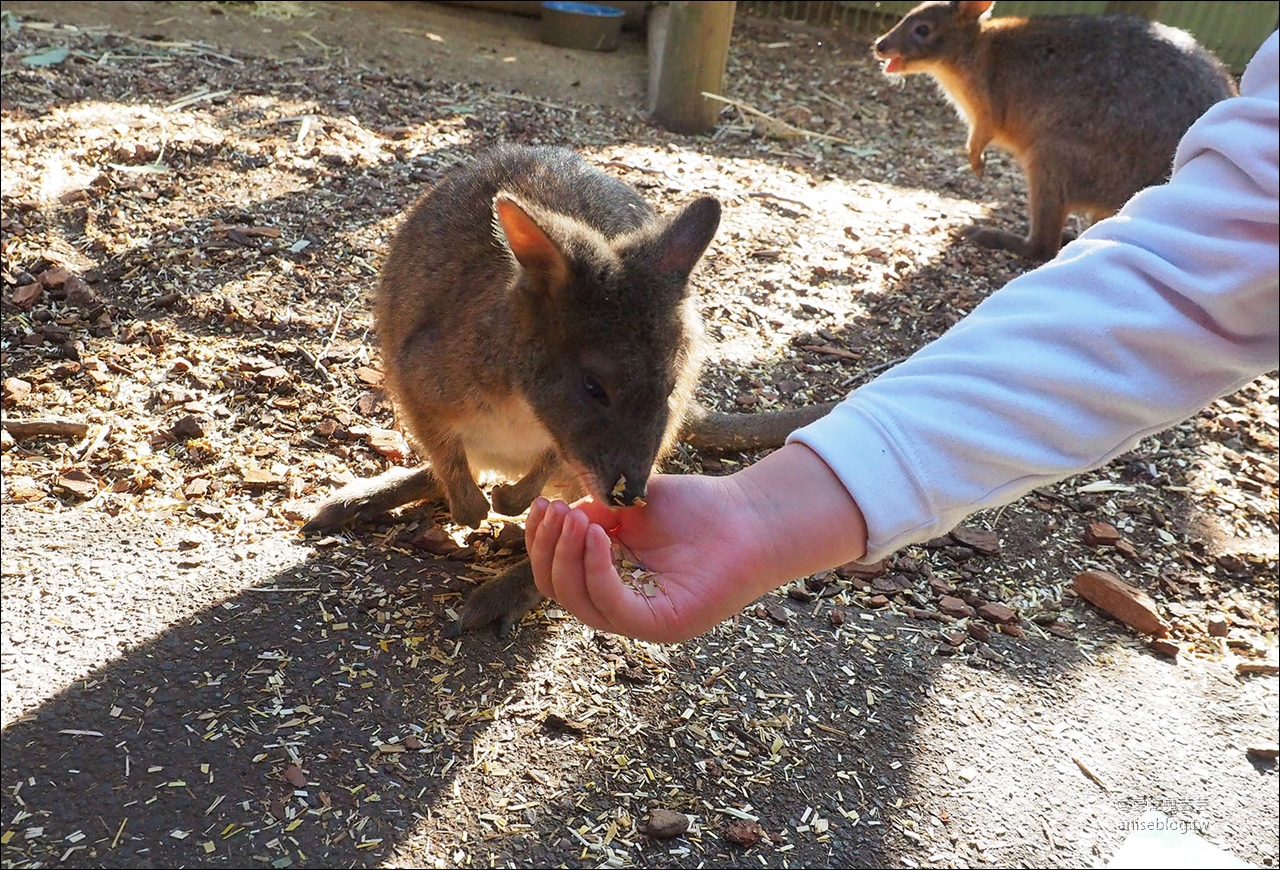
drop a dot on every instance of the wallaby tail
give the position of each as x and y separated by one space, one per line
713 430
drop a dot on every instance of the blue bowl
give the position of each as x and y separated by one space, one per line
586 26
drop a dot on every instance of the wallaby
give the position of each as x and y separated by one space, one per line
535 320
1092 107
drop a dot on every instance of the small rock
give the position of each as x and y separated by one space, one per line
799 593
77 482
27 295
940 587
990 655
744 832
978 631
778 614
952 606
1266 751
1232 563
261 477
187 428
938 543
1100 535
412 743
390 444
79 293
890 585
1218 625
55 277
369 376
16 389
437 541
997 613
563 723
1011 629
1165 647
980 540
295 777
820 581
860 569
837 617
877 601
665 824
1269 668
918 613
1126 549
511 535
1126 603
1061 629
372 402
954 638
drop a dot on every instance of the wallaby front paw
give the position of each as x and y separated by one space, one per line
510 500
469 508
502 602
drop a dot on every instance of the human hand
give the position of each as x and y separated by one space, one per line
710 545
693 536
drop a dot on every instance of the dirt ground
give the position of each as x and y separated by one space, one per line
195 201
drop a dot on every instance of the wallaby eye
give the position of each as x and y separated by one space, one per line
922 30
594 390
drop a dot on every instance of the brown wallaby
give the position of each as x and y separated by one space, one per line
535 320
1092 107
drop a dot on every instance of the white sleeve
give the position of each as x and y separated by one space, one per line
1145 319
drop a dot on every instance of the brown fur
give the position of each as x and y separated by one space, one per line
1092 107
535 320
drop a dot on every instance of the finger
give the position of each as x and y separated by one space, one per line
616 603
540 540
537 511
567 578
599 512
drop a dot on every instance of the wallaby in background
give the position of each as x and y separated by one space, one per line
535 320
1092 107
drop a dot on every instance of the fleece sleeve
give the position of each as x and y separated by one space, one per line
1145 319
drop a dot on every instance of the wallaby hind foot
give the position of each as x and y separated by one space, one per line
369 499
1003 240
501 602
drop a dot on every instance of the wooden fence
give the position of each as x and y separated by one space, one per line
1233 29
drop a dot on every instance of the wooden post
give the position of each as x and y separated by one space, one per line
694 50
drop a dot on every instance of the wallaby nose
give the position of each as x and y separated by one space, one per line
629 492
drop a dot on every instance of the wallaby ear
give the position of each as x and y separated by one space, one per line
970 10
533 249
686 237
